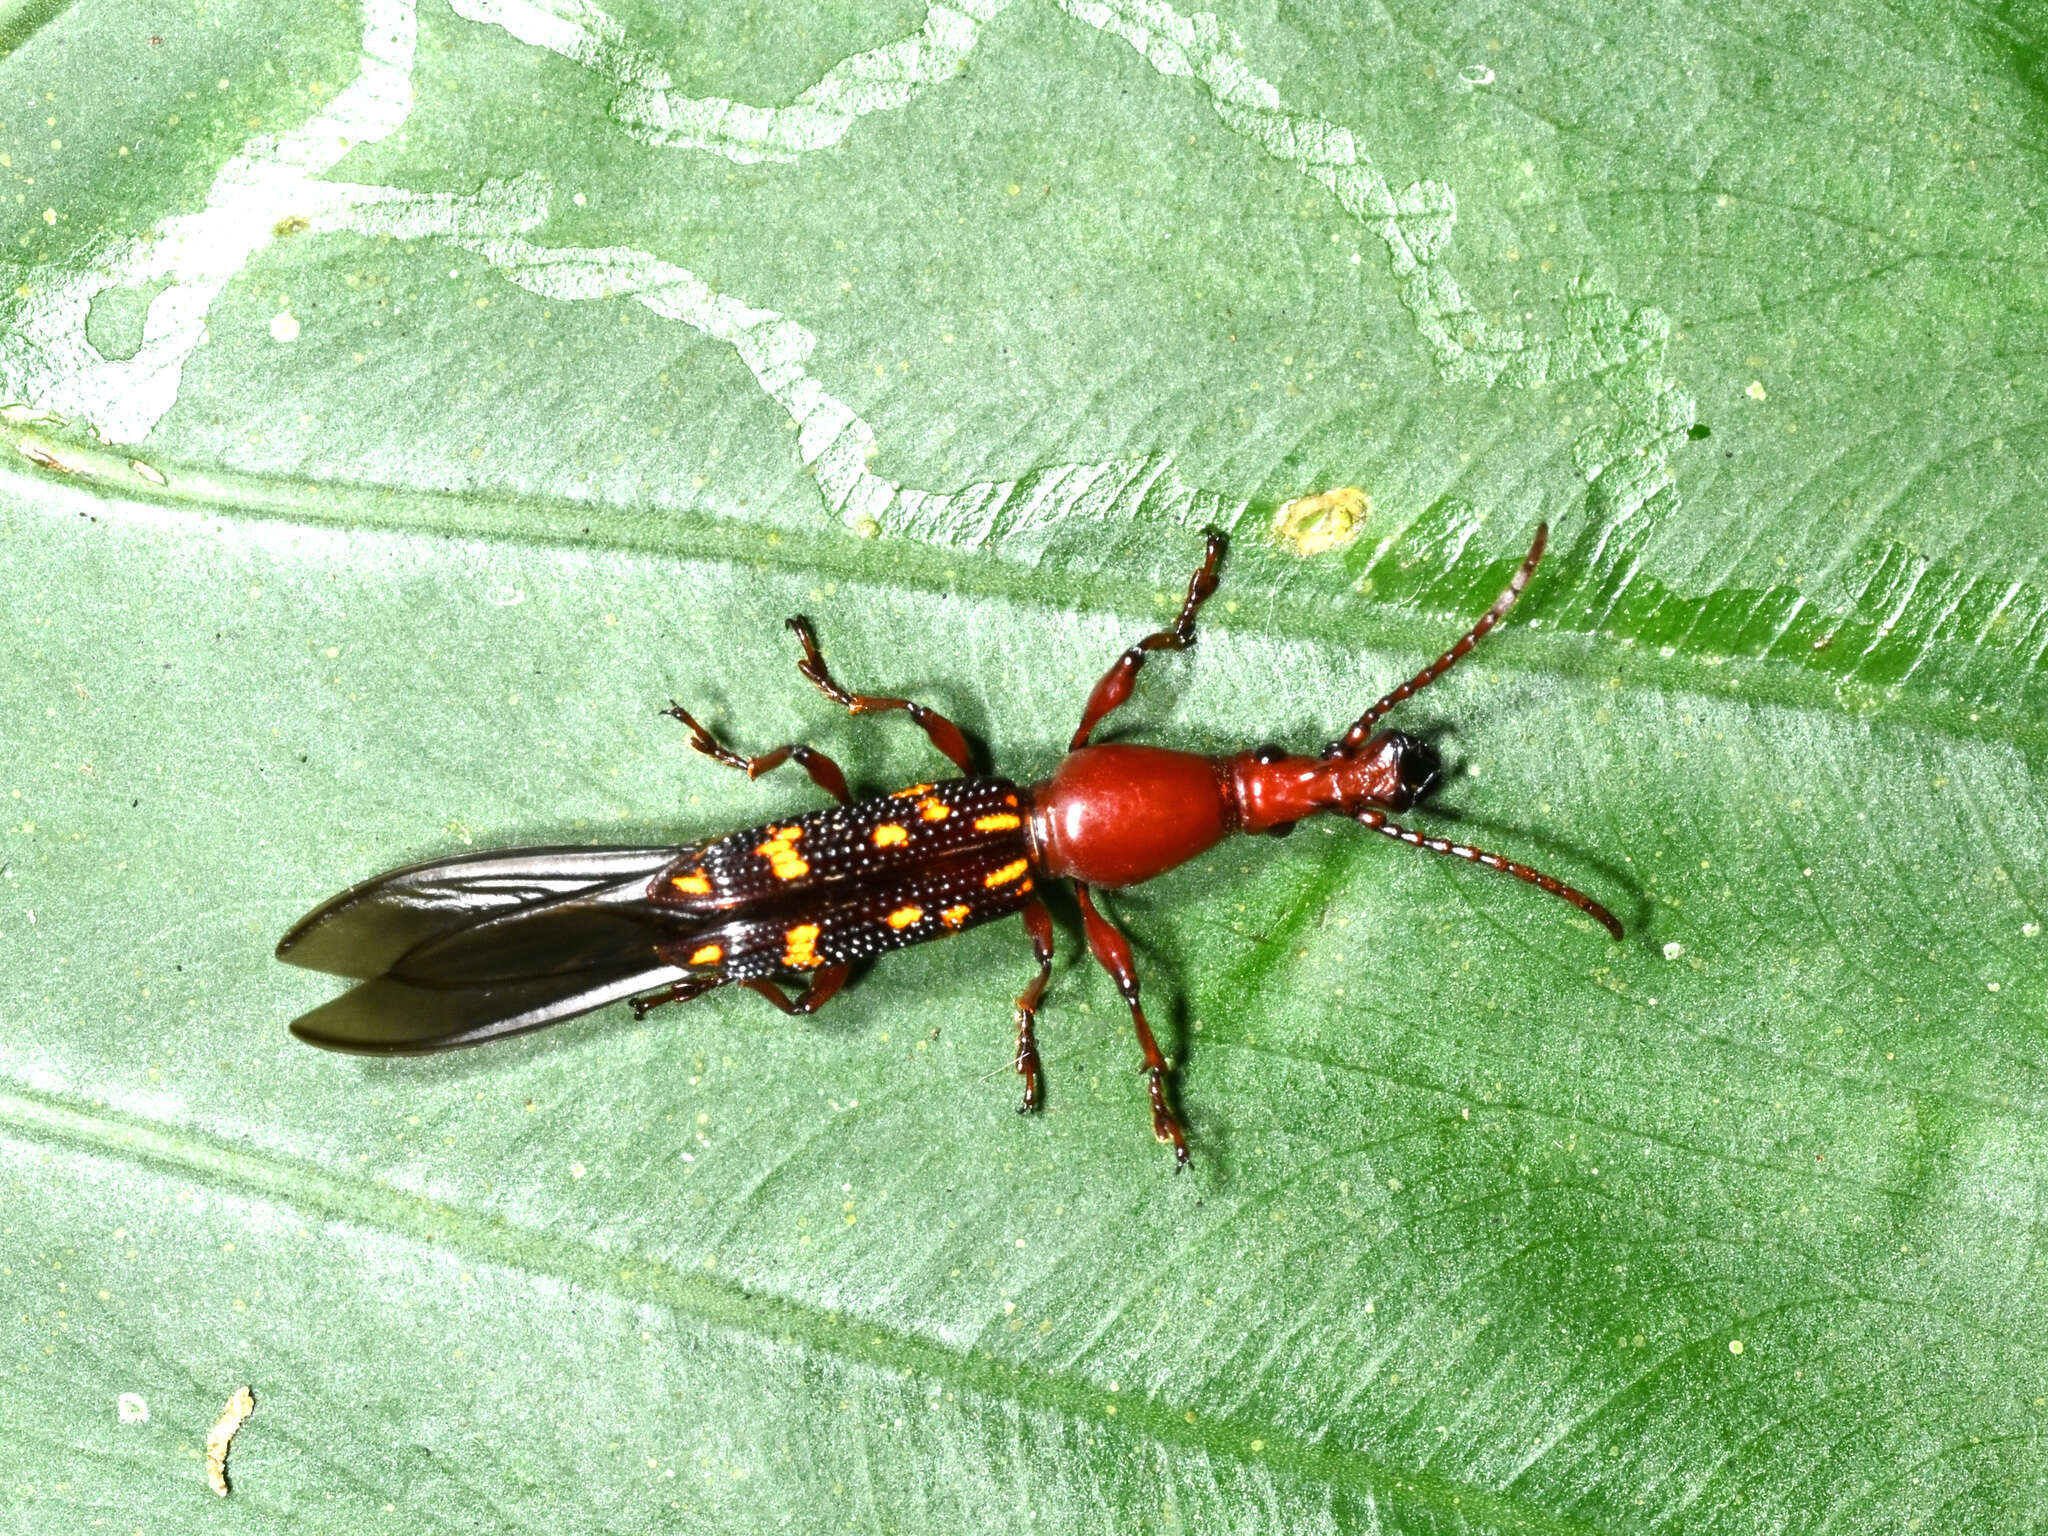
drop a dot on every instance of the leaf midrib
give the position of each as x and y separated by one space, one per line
1556 649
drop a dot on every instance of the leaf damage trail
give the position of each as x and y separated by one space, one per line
1882 632
49 363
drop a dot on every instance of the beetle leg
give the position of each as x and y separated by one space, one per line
1113 951
1348 744
824 983
1115 685
675 992
943 733
1037 923
823 771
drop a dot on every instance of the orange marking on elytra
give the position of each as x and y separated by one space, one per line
799 952
1001 821
1024 887
891 835
695 883
912 792
903 917
1009 799
784 862
954 916
1006 874
932 808
709 954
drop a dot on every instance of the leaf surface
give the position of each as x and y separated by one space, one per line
408 401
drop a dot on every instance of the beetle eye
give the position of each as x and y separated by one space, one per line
1421 769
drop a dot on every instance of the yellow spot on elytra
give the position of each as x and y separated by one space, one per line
903 917
1024 887
695 883
890 835
784 862
1006 874
932 809
798 953
1009 799
953 917
709 954
912 792
1001 821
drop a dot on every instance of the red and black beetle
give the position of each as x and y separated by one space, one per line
472 948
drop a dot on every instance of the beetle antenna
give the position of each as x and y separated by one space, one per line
1377 820
1348 744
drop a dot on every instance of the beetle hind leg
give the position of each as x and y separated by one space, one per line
675 992
824 983
823 771
941 732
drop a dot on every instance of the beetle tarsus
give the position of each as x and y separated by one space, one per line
1114 686
941 732
823 771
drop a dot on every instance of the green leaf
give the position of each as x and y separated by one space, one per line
407 402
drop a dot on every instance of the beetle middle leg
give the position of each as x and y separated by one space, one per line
823 771
1113 952
1115 685
824 982
1037 923
941 732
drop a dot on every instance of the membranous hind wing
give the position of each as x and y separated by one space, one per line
474 948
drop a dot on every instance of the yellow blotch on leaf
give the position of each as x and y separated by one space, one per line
1312 525
799 951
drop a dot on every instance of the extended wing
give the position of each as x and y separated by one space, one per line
474 948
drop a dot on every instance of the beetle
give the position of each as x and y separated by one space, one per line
462 950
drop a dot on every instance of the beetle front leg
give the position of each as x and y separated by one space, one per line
823 771
942 733
1115 685
1037 923
1113 952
